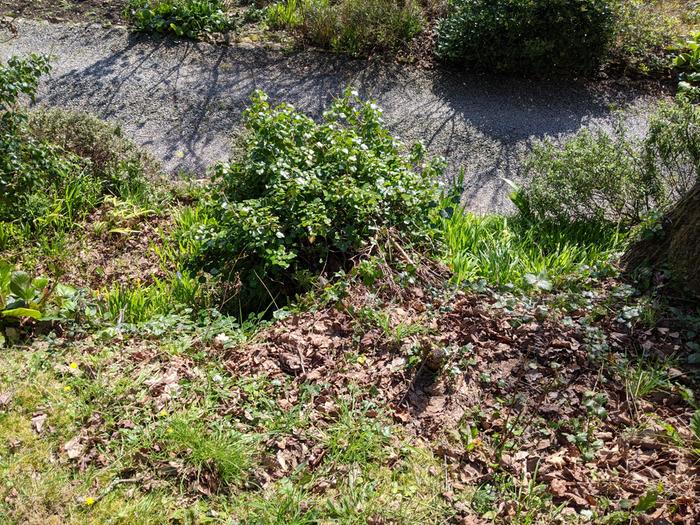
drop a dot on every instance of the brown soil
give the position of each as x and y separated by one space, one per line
122 254
95 11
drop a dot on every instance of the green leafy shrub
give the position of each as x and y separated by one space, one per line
26 164
642 36
55 165
594 175
20 295
303 197
614 177
113 159
188 18
354 27
671 148
540 36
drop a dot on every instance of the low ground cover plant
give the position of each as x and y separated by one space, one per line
351 26
533 36
185 18
25 299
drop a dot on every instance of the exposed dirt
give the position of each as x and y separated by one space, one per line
105 12
119 253
515 376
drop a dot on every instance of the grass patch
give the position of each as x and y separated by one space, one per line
223 451
355 438
531 256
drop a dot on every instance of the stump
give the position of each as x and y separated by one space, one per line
677 249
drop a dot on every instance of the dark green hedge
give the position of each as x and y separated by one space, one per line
527 36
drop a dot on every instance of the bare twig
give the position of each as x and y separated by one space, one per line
114 483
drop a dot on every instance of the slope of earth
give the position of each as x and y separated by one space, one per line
394 404
496 385
97 11
183 100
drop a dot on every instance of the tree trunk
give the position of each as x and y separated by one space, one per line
677 248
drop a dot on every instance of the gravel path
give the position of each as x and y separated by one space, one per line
181 100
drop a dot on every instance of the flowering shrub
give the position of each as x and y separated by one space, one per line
304 197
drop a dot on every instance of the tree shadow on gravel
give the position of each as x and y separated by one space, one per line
184 99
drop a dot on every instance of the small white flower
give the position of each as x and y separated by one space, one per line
221 340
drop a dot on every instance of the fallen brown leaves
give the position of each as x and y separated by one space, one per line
117 255
83 448
521 382
519 378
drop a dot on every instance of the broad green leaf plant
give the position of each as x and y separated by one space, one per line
24 298
687 63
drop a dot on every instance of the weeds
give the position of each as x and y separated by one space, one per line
530 499
223 450
189 18
350 26
353 438
695 432
644 380
285 14
285 504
